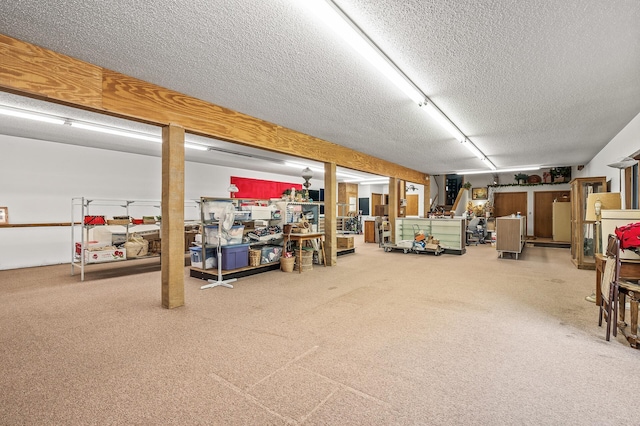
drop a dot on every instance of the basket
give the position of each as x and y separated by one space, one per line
286 263
149 220
254 257
304 260
118 222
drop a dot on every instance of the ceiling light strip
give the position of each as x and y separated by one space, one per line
442 119
54 119
115 131
514 169
338 21
30 115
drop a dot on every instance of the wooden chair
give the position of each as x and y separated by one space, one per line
631 289
609 289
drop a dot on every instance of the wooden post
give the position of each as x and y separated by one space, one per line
330 213
172 234
394 202
402 194
427 196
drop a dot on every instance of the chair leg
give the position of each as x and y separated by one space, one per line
600 313
614 315
607 314
607 317
622 300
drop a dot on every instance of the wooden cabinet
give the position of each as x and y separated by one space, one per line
583 238
510 234
369 231
561 221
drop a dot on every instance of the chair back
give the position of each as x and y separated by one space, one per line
612 266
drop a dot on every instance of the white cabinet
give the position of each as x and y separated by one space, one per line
450 231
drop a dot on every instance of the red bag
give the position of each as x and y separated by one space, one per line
629 235
94 220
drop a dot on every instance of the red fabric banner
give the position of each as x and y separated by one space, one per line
258 188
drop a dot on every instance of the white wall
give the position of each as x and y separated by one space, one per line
39 179
626 143
509 178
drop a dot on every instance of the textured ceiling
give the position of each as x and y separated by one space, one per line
540 82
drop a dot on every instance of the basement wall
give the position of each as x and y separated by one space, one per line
39 178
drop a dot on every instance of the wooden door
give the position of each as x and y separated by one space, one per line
507 203
369 231
376 200
412 205
543 211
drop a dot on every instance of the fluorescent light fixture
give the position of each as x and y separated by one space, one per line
516 169
115 131
489 163
446 124
30 115
195 146
337 20
303 166
375 182
319 169
367 181
473 149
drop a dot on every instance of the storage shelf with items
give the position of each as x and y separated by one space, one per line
113 235
294 212
450 232
255 229
303 218
348 225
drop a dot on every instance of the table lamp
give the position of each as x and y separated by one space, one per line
596 202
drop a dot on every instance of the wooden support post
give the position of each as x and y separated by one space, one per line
402 194
426 196
330 213
172 234
394 201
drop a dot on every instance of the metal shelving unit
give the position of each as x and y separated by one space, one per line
82 207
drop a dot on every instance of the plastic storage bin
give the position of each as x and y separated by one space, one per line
270 254
196 257
234 257
230 237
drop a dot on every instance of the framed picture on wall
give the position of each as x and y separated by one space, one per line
479 194
4 215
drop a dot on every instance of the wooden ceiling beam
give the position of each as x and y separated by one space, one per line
33 71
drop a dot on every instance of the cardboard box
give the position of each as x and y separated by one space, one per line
259 212
109 234
93 245
345 242
99 256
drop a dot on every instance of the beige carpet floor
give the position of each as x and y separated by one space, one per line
379 339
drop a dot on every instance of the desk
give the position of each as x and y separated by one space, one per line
299 238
